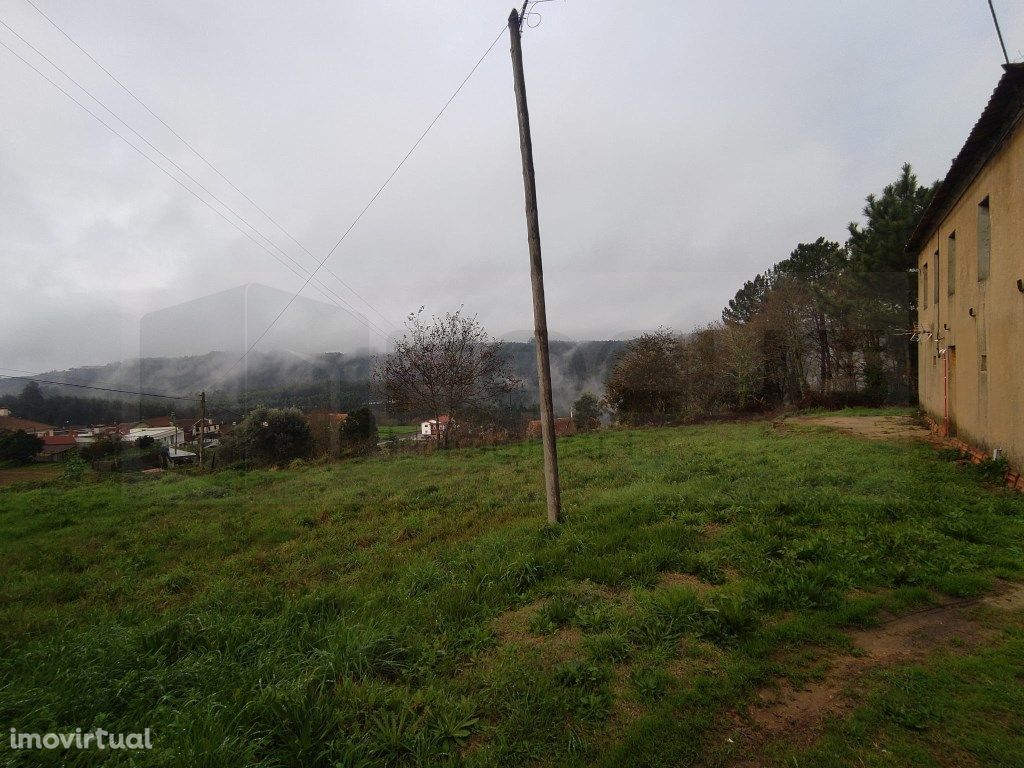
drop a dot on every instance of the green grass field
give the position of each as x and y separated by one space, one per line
397 430
415 610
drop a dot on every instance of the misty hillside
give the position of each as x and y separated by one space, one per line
327 380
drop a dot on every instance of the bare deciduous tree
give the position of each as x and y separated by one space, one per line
443 366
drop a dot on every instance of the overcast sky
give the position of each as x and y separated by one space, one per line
680 146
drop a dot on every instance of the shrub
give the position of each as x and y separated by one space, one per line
18 446
104 447
74 469
876 383
136 459
992 470
586 412
836 400
269 436
646 384
359 431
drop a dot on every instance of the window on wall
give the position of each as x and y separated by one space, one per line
924 285
951 264
984 239
935 279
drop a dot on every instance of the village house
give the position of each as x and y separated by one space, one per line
434 427
89 435
209 429
169 437
177 456
84 435
13 423
57 447
970 260
189 426
563 427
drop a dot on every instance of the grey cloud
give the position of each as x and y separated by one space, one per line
681 147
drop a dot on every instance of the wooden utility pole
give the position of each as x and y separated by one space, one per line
540 320
202 425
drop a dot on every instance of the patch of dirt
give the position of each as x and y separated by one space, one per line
1012 599
625 708
797 715
871 427
513 628
676 579
713 530
917 634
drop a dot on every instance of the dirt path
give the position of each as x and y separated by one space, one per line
871 427
797 715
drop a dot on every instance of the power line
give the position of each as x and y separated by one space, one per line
99 389
297 269
159 395
373 199
202 157
321 264
328 293
999 32
34 377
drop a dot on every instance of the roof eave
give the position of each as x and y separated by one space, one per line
1003 111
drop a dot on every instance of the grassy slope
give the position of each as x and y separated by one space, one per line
28 473
345 614
398 430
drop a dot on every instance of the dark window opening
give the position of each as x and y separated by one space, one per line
951 264
984 239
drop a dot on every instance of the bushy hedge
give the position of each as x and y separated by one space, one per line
18 446
268 436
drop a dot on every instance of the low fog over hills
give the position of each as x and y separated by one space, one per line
316 355
232 320
324 380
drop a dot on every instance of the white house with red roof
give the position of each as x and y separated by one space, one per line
434 427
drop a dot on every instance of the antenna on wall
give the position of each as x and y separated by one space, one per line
999 32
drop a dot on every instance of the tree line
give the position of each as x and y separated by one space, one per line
829 325
57 410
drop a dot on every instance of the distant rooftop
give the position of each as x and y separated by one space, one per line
13 423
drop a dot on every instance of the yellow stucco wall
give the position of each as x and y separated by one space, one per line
986 408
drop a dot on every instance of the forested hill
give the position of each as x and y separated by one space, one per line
331 380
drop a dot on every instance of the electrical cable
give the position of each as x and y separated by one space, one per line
195 152
298 270
372 200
